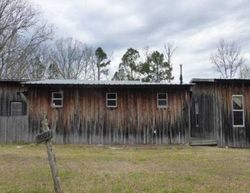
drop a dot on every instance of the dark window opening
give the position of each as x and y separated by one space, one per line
111 100
237 102
238 117
162 103
57 99
162 100
111 95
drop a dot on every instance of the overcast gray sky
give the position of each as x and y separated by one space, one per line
195 26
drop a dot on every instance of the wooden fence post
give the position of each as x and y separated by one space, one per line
53 167
46 137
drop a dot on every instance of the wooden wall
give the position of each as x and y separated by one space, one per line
215 106
13 129
85 118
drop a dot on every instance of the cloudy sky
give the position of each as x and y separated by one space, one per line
194 26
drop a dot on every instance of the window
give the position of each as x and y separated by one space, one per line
238 111
196 107
162 100
111 100
57 99
16 108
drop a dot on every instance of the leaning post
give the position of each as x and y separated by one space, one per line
46 137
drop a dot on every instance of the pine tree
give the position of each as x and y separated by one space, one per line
129 66
101 62
156 69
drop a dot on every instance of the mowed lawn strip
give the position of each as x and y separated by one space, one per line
125 169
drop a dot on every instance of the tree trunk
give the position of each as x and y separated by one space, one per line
98 73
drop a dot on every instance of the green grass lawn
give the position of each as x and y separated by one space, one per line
107 169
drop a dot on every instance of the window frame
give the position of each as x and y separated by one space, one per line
22 108
53 98
238 110
107 99
162 106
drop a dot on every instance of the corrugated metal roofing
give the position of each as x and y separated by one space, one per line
92 82
219 80
195 80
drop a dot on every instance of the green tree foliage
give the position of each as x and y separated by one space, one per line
146 69
129 66
101 62
119 75
156 69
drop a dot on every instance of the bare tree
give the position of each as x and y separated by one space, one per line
21 34
169 52
26 56
73 59
227 59
89 62
15 17
38 62
244 72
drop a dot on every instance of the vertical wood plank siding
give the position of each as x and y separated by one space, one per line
85 118
215 107
13 129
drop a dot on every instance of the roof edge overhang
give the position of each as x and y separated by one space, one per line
219 80
85 83
102 84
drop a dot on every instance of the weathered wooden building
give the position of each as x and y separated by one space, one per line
220 111
13 112
110 112
215 111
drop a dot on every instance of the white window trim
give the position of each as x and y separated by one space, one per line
239 110
162 106
111 106
52 99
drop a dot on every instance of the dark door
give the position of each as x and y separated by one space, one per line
202 120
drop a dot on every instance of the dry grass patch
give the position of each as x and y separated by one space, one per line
106 169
